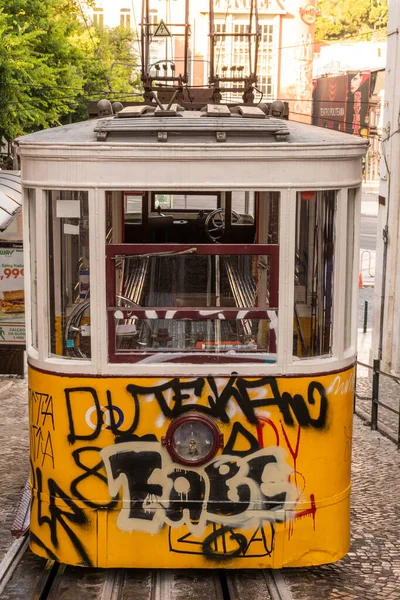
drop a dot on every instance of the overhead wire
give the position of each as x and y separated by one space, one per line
86 25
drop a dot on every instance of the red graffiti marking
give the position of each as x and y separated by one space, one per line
308 511
260 428
294 452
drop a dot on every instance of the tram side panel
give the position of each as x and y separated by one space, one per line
106 492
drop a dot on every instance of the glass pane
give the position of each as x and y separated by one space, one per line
182 202
238 336
314 262
33 264
193 280
68 218
197 303
133 208
348 325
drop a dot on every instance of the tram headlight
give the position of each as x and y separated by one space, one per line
193 439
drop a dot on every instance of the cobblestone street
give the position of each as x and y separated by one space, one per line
371 570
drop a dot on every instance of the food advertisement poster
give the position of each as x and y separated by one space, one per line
12 303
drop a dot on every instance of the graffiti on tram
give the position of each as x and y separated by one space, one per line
111 433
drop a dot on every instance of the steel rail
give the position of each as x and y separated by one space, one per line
56 581
11 560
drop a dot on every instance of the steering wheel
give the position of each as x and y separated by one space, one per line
215 224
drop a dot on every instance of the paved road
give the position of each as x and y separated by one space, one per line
371 570
368 229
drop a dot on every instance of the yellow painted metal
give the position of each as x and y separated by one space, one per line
106 493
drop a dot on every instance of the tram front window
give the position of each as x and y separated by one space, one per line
314 268
198 282
68 222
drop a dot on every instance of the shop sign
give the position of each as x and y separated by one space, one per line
309 13
12 303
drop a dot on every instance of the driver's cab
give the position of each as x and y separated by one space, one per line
194 217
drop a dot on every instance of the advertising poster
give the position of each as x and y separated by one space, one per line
329 102
12 302
358 102
342 102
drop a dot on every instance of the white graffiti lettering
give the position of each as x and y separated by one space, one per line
230 490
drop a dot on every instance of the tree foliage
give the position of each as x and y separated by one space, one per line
360 19
52 62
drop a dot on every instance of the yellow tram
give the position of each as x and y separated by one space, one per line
192 285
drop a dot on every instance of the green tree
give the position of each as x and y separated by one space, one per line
52 62
110 67
362 19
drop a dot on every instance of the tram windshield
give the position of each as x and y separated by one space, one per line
192 276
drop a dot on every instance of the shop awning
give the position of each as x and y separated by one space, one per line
10 197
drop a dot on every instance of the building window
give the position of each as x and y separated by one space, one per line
98 17
125 18
232 55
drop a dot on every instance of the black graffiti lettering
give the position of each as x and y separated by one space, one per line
219 503
316 386
48 449
126 434
239 431
62 511
236 389
87 475
41 405
48 411
39 447
70 394
257 468
229 491
137 467
229 392
177 386
211 544
188 492
42 425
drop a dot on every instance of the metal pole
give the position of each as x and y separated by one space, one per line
365 316
375 394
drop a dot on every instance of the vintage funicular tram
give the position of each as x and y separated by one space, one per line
192 300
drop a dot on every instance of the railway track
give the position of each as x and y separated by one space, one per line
26 576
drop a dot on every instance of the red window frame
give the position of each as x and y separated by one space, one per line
113 251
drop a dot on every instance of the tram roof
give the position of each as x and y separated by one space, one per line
191 127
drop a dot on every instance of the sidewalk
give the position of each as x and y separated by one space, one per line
369 201
369 208
371 570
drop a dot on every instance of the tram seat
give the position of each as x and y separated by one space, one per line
159 228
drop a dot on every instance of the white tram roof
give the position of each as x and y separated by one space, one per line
191 127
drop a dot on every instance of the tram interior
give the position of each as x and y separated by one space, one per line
180 278
182 255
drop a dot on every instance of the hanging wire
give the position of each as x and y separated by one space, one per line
87 25
136 28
